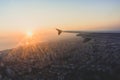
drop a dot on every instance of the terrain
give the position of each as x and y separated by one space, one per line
69 59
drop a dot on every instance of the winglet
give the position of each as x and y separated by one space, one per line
59 31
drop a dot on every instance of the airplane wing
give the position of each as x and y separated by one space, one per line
90 35
60 31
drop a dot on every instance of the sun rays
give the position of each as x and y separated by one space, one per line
29 44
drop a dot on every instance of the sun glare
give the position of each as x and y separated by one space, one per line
29 34
29 39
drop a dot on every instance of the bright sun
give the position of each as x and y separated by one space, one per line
29 34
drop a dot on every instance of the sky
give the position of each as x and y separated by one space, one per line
19 16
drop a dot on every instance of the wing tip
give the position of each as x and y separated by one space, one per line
59 31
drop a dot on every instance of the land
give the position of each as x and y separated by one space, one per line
69 59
